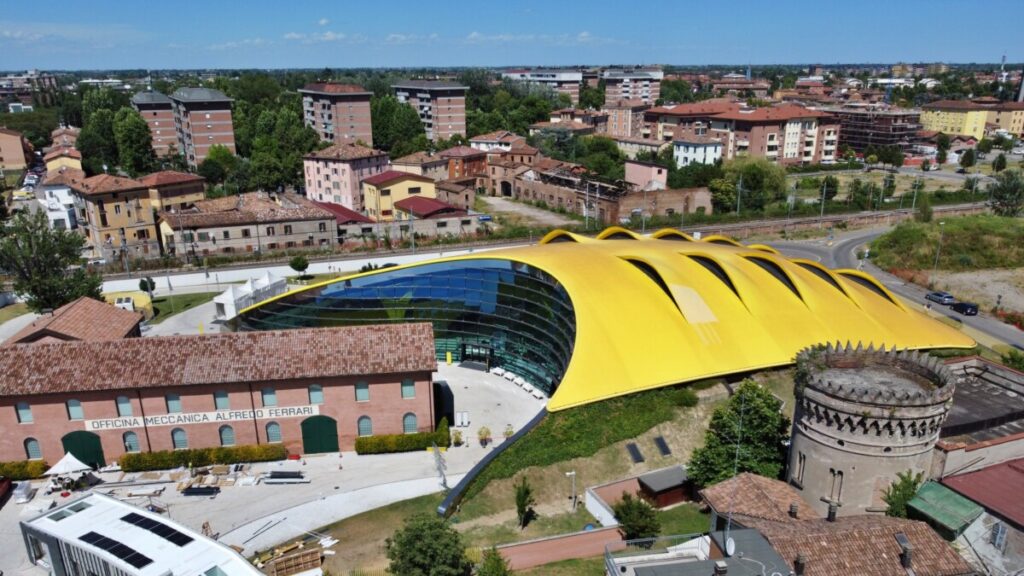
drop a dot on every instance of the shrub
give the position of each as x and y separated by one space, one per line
685 397
387 443
167 459
23 469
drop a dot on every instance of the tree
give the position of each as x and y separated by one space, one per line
900 492
134 142
637 519
492 563
393 122
591 98
872 159
524 501
299 263
941 156
760 447
967 158
212 170
924 208
1006 194
942 142
763 182
1013 359
999 164
42 262
98 99
147 285
926 165
985 145
426 545
97 143
831 185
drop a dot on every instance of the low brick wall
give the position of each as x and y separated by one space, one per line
586 544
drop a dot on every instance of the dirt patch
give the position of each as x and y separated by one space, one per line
518 213
984 287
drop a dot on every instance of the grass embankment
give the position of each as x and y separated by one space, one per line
588 567
968 243
166 306
13 311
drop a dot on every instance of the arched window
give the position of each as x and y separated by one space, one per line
179 439
124 406
75 410
227 436
273 432
365 426
409 423
24 412
131 442
32 450
173 403
316 394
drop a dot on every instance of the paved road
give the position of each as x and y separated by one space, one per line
842 254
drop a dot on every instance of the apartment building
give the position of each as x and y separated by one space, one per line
696 150
383 190
560 81
202 119
741 86
158 112
644 85
464 161
662 122
625 117
498 140
116 217
865 125
15 150
429 164
340 113
597 119
441 105
1008 116
955 117
174 191
249 222
333 174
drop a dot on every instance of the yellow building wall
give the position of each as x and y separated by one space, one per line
1010 120
380 201
966 122
141 299
63 162
132 213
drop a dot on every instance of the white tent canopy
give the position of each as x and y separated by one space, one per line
67 465
254 291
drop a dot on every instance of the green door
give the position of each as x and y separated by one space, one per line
319 434
85 446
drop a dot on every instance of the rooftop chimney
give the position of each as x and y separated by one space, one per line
721 568
800 564
906 551
832 510
794 509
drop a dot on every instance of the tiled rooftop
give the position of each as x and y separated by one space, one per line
169 177
84 319
248 208
755 496
335 88
345 151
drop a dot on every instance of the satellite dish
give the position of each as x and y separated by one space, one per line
730 547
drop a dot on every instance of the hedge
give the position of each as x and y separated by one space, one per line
386 443
167 459
23 469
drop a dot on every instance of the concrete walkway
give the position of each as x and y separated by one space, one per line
12 326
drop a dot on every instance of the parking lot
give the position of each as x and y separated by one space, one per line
258 516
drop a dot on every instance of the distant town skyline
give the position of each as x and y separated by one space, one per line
316 33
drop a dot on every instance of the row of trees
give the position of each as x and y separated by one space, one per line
114 135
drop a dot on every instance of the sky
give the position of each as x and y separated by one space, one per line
102 34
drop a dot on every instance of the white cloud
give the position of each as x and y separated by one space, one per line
323 22
402 39
294 36
235 44
68 36
327 36
579 39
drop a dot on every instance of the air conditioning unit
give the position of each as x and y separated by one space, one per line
998 536
125 303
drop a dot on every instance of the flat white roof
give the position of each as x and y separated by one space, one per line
104 516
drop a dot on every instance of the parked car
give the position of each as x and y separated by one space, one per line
961 170
965 308
944 298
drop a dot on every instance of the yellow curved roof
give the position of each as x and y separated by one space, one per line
718 309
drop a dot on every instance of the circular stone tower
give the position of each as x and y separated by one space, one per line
863 416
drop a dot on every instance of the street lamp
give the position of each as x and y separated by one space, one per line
938 249
572 474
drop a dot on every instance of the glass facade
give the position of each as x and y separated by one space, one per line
499 312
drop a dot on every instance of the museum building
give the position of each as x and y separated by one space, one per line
313 390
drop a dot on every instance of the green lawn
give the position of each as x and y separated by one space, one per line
683 519
968 243
166 306
587 567
484 536
12 311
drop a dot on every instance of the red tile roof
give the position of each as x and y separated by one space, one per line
217 359
169 177
390 176
335 88
755 496
419 158
497 136
83 319
713 106
71 177
345 151
106 183
772 114
247 208
462 152
422 207
69 152
965 105
343 214
997 488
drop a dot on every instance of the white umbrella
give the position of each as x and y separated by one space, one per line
67 465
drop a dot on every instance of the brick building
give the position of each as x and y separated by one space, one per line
429 164
339 113
465 161
84 319
15 150
625 117
158 112
333 174
202 118
441 105
642 85
175 392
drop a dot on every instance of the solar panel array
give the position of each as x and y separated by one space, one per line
634 453
160 529
126 553
659 442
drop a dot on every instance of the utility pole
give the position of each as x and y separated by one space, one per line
739 194
643 214
938 249
917 186
821 221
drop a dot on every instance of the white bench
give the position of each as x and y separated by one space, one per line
497 371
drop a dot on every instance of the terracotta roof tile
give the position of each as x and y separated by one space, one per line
461 152
217 359
965 105
755 496
390 176
168 177
342 214
497 136
106 183
335 88
248 208
71 177
83 319
419 158
345 151
422 207
63 151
